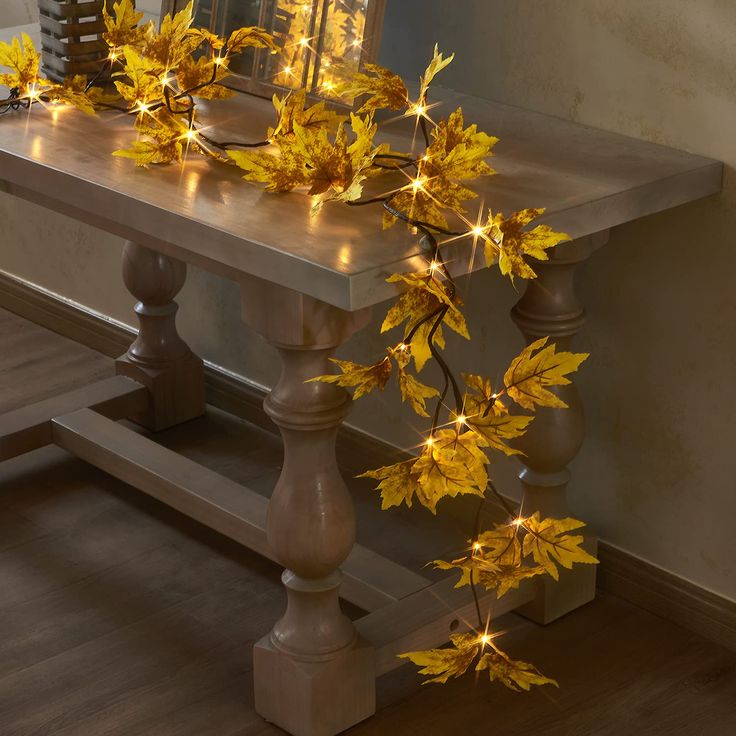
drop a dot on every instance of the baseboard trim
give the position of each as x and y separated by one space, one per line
667 595
620 573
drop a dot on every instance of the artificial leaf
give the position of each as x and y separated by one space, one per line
452 464
511 244
250 37
143 75
385 89
448 662
438 63
173 42
23 60
424 297
537 367
455 154
488 416
337 167
199 77
548 542
162 140
122 25
412 390
73 92
364 378
397 483
291 110
489 574
280 173
514 674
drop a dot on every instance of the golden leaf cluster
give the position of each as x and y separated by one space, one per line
499 558
160 72
471 648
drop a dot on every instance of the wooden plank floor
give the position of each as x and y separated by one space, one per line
119 617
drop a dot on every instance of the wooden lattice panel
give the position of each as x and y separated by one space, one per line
71 36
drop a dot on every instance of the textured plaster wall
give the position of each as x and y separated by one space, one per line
659 390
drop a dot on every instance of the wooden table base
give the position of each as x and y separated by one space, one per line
315 672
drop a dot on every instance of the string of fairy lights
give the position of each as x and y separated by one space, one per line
450 410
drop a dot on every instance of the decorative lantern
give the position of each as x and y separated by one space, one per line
71 37
319 40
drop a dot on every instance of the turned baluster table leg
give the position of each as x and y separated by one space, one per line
550 307
159 358
313 675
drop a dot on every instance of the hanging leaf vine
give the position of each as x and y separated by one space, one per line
159 74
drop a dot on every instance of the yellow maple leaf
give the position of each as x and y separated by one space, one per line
455 154
450 464
514 674
363 378
535 368
197 75
385 89
489 574
73 92
489 417
449 661
510 244
143 75
122 25
337 167
163 139
436 65
280 173
412 390
291 110
173 41
548 542
425 295
250 37
469 648
22 58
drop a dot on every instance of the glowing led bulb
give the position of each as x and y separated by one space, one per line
461 419
219 61
287 70
433 266
303 42
403 347
417 184
518 522
429 441
477 231
485 639
191 134
142 106
419 110
477 547
112 55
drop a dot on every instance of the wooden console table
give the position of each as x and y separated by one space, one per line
308 284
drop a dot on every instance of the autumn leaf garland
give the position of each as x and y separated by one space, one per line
159 75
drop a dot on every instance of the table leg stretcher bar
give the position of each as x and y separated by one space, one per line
406 610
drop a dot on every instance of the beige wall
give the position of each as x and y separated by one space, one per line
652 476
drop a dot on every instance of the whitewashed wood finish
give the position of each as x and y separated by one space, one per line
204 214
29 427
159 358
550 307
313 675
235 511
428 617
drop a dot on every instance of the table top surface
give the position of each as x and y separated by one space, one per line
203 212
